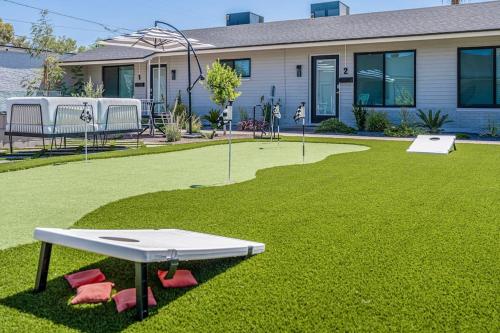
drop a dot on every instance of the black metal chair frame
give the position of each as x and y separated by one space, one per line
105 133
53 136
151 118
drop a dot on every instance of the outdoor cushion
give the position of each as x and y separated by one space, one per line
93 293
86 277
182 279
125 299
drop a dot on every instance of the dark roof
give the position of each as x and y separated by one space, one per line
109 53
474 17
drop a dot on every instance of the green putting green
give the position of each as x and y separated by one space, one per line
58 195
378 241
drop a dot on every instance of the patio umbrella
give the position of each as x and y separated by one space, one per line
164 40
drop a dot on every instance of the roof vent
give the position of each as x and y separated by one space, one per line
332 8
243 18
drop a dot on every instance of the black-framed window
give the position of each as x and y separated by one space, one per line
242 66
479 77
385 79
118 81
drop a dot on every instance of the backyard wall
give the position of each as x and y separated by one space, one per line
436 79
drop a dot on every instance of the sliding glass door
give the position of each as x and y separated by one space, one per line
325 97
118 81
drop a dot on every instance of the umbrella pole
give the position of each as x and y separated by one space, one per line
189 93
158 92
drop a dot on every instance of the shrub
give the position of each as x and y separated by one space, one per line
406 127
463 136
492 130
213 119
377 121
247 125
90 90
334 125
180 114
431 121
172 133
243 114
360 113
180 110
402 131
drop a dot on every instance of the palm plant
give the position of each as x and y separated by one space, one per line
433 122
213 118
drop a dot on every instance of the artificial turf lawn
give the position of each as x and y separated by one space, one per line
59 195
374 241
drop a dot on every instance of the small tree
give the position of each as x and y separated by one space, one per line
78 78
51 78
8 36
45 45
222 82
6 32
91 90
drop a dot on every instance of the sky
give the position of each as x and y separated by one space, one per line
184 14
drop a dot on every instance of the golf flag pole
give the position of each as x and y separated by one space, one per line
303 140
86 117
227 117
272 125
301 115
276 118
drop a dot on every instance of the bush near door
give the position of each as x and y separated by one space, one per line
360 114
406 127
334 125
377 121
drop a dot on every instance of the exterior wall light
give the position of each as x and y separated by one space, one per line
299 70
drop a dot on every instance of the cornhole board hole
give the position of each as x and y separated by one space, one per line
433 144
142 247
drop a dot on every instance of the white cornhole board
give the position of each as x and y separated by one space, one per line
147 246
433 144
141 247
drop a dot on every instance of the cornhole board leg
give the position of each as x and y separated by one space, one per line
141 290
43 267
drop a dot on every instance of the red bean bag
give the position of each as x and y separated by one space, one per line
182 279
126 300
86 277
93 293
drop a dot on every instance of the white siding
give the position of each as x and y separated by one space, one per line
436 79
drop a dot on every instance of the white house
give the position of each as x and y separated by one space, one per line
443 58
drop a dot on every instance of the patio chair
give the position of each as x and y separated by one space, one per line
153 118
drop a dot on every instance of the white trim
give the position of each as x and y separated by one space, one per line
105 62
474 109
